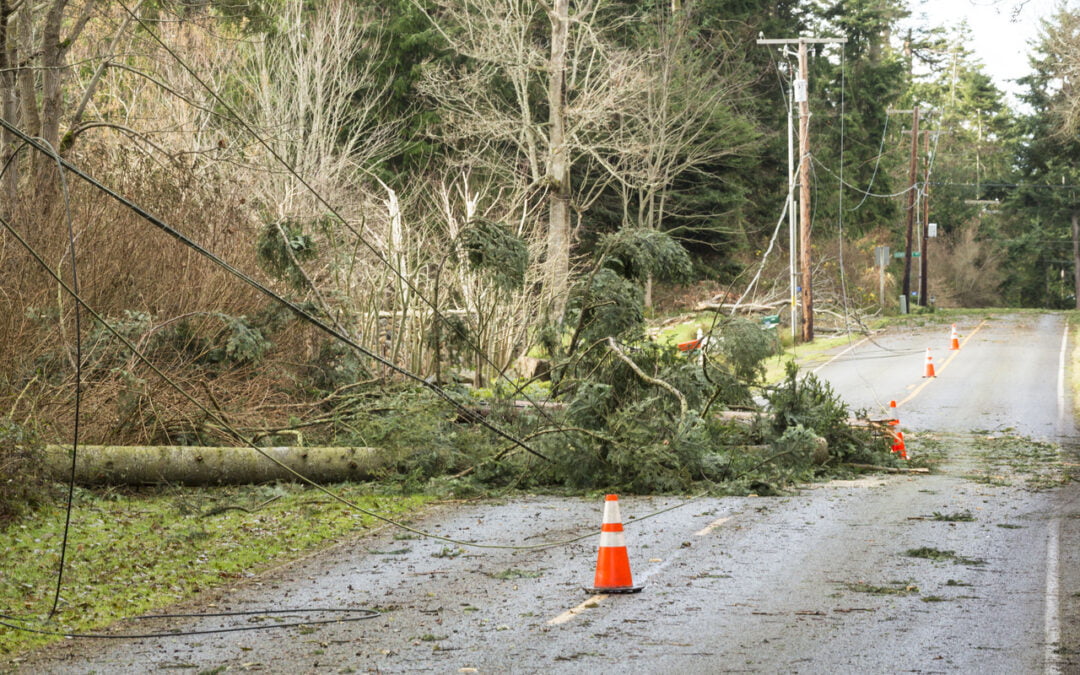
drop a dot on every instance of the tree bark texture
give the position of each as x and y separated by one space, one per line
8 107
558 169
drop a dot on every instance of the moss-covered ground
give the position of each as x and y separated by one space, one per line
134 551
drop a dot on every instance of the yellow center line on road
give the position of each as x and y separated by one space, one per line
595 600
712 526
945 365
571 613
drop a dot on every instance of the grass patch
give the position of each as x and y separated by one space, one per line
893 588
807 355
1038 463
937 555
1074 373
958 517
133 551
987 479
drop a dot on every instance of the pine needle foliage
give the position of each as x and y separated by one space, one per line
421 435
281 248
641 414
641 253
497 252
745 346
605 304
809 403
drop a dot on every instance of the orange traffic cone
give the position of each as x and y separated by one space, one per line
612 562
897 435
692 344
929 365
955 339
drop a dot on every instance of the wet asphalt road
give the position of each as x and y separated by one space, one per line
818 582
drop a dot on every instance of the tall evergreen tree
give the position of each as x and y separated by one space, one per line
1045 209
856 91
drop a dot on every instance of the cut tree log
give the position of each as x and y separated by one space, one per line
190 465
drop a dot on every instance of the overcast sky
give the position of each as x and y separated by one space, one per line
1001 30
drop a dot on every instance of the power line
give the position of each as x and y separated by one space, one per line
877 163
235 117
1015 186
250 281
858 189
802 98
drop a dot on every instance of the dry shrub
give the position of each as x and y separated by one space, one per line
175 159
126 268
965 270
22 485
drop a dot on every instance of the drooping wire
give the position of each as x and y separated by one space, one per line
858 189
236 435
360 614
61 565
331 209
785 212
877 163
253 283
19 623
219 418
765 256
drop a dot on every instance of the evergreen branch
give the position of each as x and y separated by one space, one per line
683 408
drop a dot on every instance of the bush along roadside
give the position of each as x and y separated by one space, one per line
22 483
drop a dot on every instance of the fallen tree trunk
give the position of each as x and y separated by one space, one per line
189 465
748 307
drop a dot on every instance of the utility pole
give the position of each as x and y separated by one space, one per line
912 211
924 283
793 241
913 176
804 198
801 90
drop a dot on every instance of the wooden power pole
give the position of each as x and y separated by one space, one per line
801 90
804 199
924 270
913 174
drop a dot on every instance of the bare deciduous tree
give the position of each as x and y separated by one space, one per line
493 112
683 119
35 40
312 93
